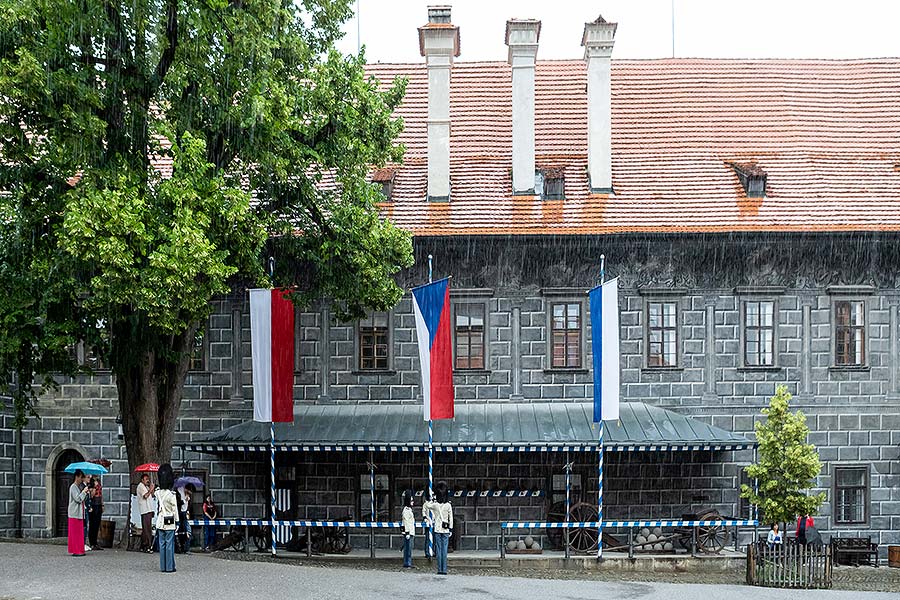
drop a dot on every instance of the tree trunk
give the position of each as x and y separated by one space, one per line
150 387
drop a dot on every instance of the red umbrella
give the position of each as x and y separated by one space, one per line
147 468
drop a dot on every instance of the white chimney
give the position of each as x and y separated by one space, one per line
439 43
522 38
598 41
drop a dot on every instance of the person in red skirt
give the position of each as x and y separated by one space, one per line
77 495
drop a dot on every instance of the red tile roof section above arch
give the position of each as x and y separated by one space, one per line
827 133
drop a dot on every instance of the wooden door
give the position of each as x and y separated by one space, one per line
62 482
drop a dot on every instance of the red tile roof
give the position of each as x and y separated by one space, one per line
827 134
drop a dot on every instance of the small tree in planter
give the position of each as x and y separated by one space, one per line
787 464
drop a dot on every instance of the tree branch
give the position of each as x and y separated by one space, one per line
168 55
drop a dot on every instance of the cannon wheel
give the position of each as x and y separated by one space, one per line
261 536
711 539
334 540
583 539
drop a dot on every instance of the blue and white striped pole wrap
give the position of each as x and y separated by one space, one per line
600 493
429 551
273 516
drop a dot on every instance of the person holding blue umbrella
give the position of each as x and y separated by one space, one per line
77 495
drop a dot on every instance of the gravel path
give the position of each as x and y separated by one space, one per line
36 571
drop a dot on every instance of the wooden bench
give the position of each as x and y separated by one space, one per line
854 551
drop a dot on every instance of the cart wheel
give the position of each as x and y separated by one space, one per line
712 539
556 513
583 539
262 538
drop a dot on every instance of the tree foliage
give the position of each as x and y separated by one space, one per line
156 152
787 465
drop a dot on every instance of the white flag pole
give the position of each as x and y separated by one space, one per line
600 447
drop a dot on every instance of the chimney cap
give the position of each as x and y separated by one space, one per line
439 13
443 35
526 28
599 34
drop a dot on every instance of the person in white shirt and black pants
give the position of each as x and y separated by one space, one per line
442 511
408 521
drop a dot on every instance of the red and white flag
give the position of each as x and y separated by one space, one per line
272 344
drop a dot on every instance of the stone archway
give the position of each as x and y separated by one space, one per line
56 486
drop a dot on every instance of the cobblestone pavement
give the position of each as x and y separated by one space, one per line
37 571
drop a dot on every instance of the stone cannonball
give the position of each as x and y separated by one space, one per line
668 546
520 545
652 538
657 531
645 532
511 545
529 541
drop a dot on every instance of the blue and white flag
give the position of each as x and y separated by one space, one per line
604 301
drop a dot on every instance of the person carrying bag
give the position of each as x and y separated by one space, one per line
166 518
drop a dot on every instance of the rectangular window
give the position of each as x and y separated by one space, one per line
759 333
469 329
373 342
851 487
565 334
849 333
198 362
382 497
662 334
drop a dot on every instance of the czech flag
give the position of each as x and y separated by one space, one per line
272 345
432 307
604 300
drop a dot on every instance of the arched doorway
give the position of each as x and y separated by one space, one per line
62 481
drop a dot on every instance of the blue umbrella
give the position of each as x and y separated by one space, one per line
186 480
87 468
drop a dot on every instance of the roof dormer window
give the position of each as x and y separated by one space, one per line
752 177
385 178
550 183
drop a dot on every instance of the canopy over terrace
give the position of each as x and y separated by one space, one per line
495 427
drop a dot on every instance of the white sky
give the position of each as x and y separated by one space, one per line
703 28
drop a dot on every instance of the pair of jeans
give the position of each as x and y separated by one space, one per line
407 550
441 543
210 540
166 550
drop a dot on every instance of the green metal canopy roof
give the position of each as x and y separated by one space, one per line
488 427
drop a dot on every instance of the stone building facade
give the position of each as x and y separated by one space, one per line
727 289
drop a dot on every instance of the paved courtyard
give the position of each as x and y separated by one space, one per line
33 571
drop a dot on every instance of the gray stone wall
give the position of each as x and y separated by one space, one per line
649 485
854 414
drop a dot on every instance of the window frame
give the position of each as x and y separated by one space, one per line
582 342
204 351
389 341
745 328
662 299
484 303
867 494
864 309
363 489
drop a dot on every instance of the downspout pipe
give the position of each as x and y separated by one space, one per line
17 493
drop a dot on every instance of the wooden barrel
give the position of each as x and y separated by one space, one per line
894 556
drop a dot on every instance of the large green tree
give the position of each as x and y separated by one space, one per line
155 153
787 464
